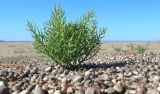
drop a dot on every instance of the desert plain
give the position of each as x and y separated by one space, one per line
23 71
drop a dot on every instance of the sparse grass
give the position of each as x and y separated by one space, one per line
117 49
131 46
140 49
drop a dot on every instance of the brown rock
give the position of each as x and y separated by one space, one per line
92 90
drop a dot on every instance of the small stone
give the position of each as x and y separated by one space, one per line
87 83
45 87
110 90
20 84
130 73
105 77
86 78
87 73
120 75
70 90
2 83
10 75
16 92
51 91
145 80
78 79
34 70
63 87
3 73
48 69
80 91
64 80
92 90
152 91
45 79
26 92
4 90
114 81
158 88
141 90
156 78
57 92
39 90
16 87
132 91
33 79
118 88
31 87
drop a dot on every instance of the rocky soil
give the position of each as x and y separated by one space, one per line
107 73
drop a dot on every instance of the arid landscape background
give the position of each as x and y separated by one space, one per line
15 49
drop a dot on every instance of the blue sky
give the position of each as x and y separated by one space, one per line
128 20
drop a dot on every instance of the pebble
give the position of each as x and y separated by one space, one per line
26 92
145 81
87 83
57 92
39 90
45 78
158 88
105 77
70 90
48 69
2 83
156 78
16 92
92 90
80 91
34 70
4 90
51 91
132 91
64 80
78 79
114 81
3 73
110 90
118 88
87 73
152 91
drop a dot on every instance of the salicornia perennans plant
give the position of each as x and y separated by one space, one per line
131 46
140 49
67 43
117 49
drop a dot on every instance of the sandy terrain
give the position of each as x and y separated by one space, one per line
24 51
15 49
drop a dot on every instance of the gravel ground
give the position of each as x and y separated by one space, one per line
22 71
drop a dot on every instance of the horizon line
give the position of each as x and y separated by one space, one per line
101 41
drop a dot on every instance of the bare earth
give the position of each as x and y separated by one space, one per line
16 49
23 52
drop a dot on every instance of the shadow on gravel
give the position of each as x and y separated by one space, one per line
102 65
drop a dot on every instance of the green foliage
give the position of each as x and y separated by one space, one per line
68 43
117 49
140 49
131 46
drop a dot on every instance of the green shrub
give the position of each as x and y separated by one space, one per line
67 43
117 49
140 49
131 46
